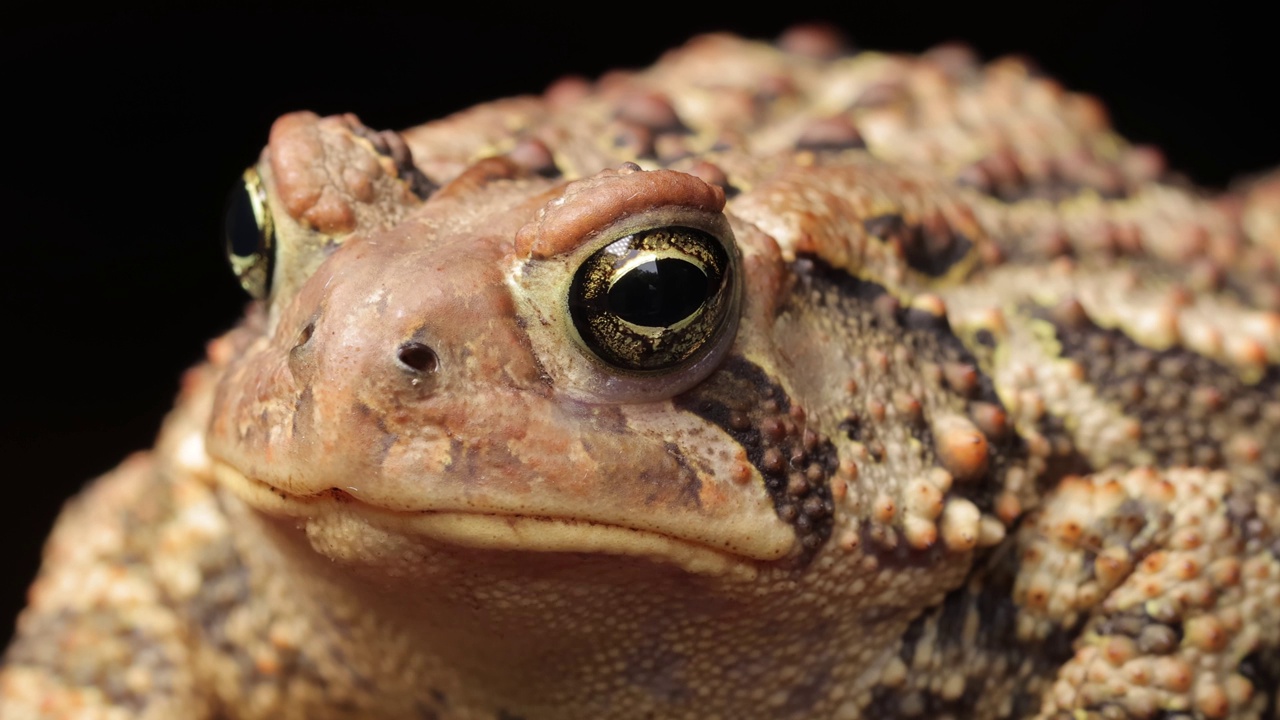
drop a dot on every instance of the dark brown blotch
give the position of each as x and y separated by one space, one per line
1190 406
929 246
797 465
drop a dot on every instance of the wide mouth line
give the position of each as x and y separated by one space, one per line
498 530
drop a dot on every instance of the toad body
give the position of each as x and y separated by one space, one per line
770 382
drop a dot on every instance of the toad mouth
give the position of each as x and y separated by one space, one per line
498 531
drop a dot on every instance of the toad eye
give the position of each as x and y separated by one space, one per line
250 235
654 299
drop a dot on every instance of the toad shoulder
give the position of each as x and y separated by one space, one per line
772 381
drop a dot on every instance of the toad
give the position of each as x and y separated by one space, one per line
773 381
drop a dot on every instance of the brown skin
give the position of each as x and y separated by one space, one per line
985 426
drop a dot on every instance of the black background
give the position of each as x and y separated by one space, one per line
127 126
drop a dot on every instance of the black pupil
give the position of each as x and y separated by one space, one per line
659 293
242 234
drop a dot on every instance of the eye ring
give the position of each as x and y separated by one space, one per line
249 235
652 300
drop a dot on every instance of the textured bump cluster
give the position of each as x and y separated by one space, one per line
1181 586
922 437
796 462
1193 410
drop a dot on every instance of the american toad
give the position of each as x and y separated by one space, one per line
769 382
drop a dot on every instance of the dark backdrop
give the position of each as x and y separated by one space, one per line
126 126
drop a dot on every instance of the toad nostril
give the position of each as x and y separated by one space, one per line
418 357
304 337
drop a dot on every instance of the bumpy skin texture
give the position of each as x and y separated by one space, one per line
996 433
